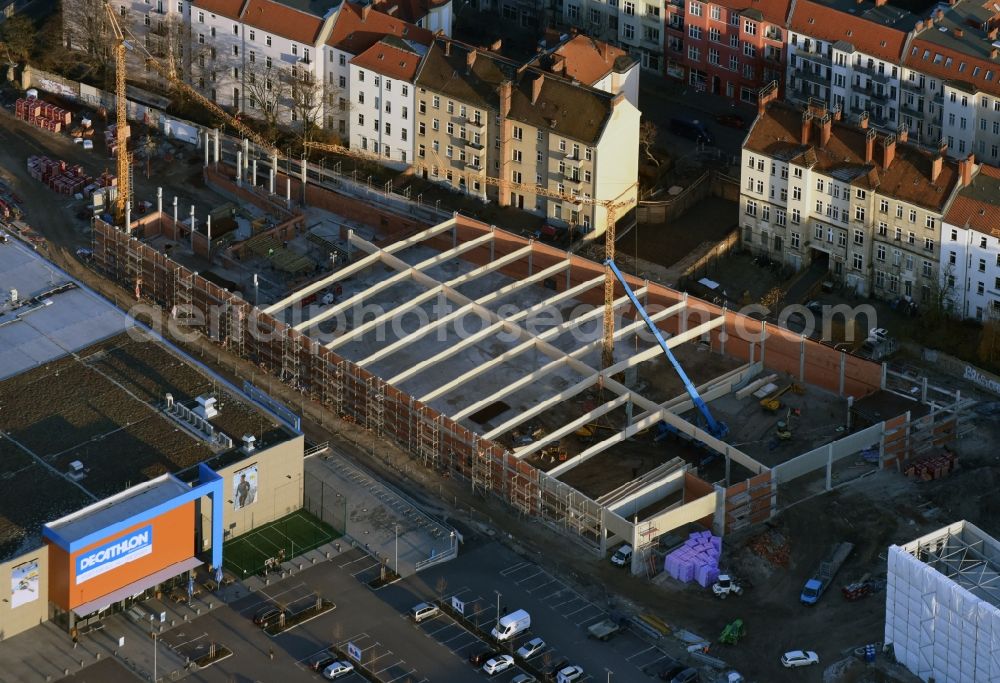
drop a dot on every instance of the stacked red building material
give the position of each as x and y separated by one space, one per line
934 467
42 114
67 178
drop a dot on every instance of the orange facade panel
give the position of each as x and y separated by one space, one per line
86 575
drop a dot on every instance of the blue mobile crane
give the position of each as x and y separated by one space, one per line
712 426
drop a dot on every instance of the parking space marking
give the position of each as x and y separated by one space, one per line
350 562
531 576
408 673
540 586
639 653
514 568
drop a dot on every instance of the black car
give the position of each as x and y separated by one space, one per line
480 657
266 616
552 671
321 661
668 673
692 129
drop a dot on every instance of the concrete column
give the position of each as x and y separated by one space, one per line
493 244
253 177
454 236
304 168
128 217
270 186
288 192
682 323
802 359
350 243
753 351
850 404
177 230
246 153
207 149
923 391
729 462
192 227
274 162
829 467
604 533
530 264
256 289
885 375
159 200
843 372
218 157
208 233
763 341
239 169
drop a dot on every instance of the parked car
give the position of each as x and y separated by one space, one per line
531 648
511 625
498 664
321 661
524 678
553 670
733 120
338 669
423 611
668 672
693 130
687 675
569 674
622 556
480 657
266 616
797 658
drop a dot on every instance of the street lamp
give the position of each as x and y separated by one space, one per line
609 674
395 564
498 607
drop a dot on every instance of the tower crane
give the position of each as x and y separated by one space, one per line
122 157
611 206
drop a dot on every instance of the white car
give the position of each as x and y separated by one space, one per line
569 674
879 333
338 669
423 611
531 648
498 664
797 658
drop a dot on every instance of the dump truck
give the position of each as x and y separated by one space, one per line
823 576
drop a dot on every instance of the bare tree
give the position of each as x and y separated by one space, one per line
647 138
86 28
307 96
18 37
266 92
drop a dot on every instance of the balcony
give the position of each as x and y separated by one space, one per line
472 123
823 60
676 26
809 76
474 146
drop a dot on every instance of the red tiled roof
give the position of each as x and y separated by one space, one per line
408 10
588 60
282 20
355 31
914 59
975 206
225 8
389 60
826 23
774 11
777 133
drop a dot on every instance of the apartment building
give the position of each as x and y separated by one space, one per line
726 47
491 127
847 55
867 207
593 62
635 25
970 248
433 15
356 30
382 96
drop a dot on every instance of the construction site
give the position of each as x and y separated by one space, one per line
479 352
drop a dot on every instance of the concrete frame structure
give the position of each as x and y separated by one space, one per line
297 353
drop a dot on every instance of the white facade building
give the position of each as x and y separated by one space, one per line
382 97
970 249
636 25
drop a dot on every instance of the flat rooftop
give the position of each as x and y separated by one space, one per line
103 406
965 554
888 14
51 314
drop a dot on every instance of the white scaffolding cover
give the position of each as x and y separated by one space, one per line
941 609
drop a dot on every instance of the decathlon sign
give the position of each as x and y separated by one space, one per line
120 551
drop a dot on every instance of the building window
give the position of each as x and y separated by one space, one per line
859 261
694 8
518 133
751 208
880 252
859 237
928 244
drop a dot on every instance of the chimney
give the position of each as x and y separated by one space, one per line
879 3
942 146
904 134
470 59
939 14
536 88
929 22
365 11
837 114
825 129
918 27
863 121
958 32
558 64
765 96
392 10
806 124
965 167
496 45
994 53
447 48
506 88
605 50
993 33
936 163
869 146
888 151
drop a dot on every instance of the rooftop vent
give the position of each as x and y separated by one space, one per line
76 471
206 407
249 443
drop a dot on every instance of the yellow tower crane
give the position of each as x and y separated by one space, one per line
122 157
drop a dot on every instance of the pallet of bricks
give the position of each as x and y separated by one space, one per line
42 114
934 467
66 178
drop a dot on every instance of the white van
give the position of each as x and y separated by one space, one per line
622 556
511 625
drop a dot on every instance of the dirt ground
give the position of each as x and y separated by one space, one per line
667 243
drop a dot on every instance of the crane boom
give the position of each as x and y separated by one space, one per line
123 163
716 429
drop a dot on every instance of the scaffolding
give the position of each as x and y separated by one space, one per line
291 359
375 410
429 436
